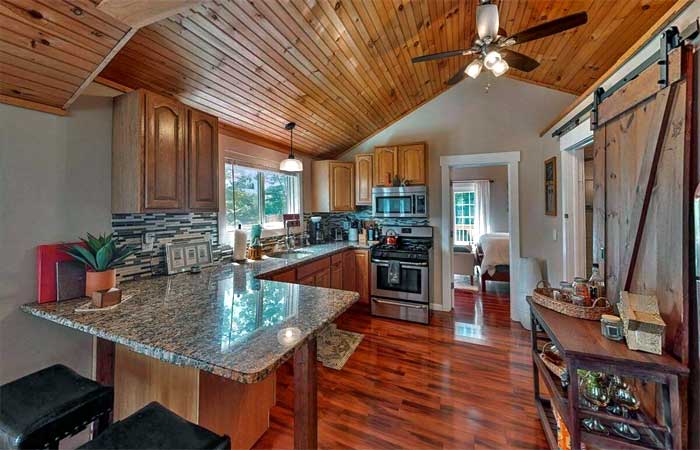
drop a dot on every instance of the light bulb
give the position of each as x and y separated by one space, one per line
291 165
492 58
474 68
500 68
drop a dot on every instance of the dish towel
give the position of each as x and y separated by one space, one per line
394 272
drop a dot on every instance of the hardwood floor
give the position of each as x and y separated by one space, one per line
463 382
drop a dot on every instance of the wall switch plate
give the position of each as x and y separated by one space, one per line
147 240
554 234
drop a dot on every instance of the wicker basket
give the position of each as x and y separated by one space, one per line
544 297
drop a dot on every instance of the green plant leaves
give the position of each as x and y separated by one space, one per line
100 253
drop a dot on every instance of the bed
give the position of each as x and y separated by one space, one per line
493 258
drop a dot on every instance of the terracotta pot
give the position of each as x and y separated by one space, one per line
99 281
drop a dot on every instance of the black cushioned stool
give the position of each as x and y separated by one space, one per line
155 427
40 409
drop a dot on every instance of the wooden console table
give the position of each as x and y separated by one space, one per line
582 345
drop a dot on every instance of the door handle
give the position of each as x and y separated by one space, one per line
387 302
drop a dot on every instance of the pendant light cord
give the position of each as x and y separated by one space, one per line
291 144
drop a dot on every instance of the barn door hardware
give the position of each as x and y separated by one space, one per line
598 96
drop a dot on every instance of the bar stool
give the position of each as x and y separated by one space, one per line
155 427
40 409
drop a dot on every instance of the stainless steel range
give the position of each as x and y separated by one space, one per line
401 274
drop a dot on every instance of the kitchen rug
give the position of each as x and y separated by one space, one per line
335 347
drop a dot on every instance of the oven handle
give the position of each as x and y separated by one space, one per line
387 302
383 263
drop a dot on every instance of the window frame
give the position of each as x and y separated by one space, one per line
294 202
463 188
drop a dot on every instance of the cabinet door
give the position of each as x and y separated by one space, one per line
349 270
337 275
308 281
288 276
341 186
203 161
323 278
363 179
385 165
362 274
412 163
165 153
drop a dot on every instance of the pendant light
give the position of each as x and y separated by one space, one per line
291 164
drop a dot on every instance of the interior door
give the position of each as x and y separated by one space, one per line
165 153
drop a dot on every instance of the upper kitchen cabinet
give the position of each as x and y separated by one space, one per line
363 178
203 161
164 156
385 165
333 186
412 163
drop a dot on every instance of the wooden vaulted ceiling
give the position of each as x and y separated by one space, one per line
339 68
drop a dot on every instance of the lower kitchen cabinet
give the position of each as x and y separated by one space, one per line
288 276
349 270
323 278
337 268
362 274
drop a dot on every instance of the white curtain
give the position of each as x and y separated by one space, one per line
482 224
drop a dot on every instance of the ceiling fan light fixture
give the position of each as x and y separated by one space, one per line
491 59
500 67
474 68
291 164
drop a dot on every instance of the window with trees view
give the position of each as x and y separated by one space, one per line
464 217
259 196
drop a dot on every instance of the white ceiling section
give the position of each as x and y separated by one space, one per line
689 14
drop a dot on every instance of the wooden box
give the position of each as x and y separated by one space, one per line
644 328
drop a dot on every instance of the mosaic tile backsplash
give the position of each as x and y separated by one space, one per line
167 227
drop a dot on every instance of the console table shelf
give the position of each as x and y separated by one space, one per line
583 347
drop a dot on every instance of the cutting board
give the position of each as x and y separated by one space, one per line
46 258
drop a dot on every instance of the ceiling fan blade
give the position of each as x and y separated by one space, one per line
549 28
518 60
458 76
441 55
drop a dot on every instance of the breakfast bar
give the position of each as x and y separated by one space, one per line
207 346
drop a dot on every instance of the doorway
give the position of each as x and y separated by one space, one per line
518 307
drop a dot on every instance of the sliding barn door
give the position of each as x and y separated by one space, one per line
641 195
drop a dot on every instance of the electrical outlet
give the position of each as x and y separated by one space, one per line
147 240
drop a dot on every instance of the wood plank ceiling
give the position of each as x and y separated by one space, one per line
49 48
340 68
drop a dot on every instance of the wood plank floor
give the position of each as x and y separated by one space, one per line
463 382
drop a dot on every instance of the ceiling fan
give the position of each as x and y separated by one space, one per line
490 46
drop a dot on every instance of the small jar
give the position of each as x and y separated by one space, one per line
578 300
566 290
581 289
611 327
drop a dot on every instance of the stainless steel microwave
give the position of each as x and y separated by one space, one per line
405 201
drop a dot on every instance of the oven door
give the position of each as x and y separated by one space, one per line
393 204
413 285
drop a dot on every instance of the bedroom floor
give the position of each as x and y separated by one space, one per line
462 382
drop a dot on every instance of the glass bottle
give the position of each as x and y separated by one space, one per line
596 283
581 289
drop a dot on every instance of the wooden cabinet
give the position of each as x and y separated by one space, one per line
323 278
308 281
164 156
337 269
333 186
385 165
203 160
288 276
165 153
317 273
412 163
362 274
349 270
364 166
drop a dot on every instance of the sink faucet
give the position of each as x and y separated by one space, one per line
290 241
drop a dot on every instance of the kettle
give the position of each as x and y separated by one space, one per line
391 238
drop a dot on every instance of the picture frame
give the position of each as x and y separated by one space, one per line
550 186
181 257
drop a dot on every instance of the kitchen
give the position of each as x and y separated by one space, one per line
311 133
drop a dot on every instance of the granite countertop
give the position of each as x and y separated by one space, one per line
224 320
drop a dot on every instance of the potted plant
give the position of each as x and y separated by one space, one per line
99 254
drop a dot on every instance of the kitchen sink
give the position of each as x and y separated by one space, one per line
291 254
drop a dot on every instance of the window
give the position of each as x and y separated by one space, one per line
464 216
259 196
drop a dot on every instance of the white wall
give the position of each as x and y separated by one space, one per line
498 203
467 119
54 186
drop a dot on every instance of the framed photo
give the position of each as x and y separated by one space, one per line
181 257
550 186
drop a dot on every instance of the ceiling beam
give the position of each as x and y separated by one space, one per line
28 104
141 13
660 24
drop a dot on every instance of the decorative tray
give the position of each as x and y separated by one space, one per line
544 297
